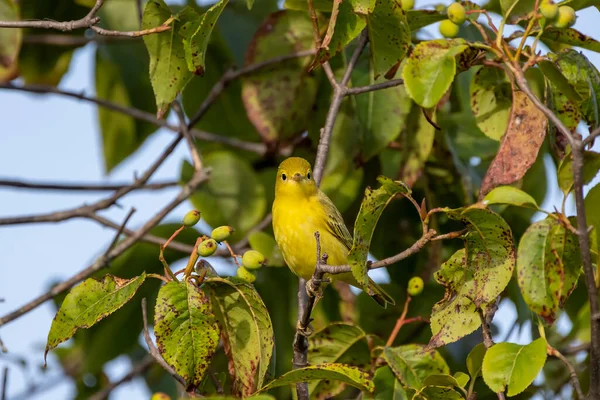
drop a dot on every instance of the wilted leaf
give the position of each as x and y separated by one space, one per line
234 193
520 145
266 245
591 165
473 276
88 303
491 98
168 68
389 37
246 329
338 372
187 333
10 40
278 100
430 70
548 266
196 35
510 195
337 343
413 363
370 210
514 366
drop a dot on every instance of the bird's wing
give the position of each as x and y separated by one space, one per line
335 222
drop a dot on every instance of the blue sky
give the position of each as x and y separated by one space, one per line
49 138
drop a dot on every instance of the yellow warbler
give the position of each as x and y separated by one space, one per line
300 209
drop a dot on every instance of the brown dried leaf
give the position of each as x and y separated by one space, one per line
520 145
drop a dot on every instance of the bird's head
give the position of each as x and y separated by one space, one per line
294 177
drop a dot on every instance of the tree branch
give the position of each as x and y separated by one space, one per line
197 179
137 369
590 139
572 373
66 26
82 187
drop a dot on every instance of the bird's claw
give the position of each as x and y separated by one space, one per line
304 331
314 287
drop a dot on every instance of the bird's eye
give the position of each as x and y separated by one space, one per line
308 176
283 177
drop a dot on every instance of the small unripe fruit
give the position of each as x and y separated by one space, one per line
191 218
457 13
207 248
549 10
415 286
566 17
407 4
222 233
448 29
253 259
246 275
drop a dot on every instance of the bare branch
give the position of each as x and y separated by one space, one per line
137 369
588 141
120 231
4 383
82 187
66 26
572 373
376 86
196 161
197 179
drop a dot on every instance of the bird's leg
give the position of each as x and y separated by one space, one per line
304 331
314 287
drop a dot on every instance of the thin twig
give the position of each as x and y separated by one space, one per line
573 374
4 383
590 139
399 322
154 351
376 86
82 187
137 369
86 210
101 262
196 161
66 26
120 231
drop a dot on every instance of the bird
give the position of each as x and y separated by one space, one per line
299 210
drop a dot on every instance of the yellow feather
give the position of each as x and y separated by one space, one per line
299 210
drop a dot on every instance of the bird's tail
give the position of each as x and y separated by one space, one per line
379 295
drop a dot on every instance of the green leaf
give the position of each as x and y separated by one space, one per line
265 244
234 193
168 68
475 360
249 4
187 333
430 70
10 40
591 165
473 276
510 195
548 266
521 8
389 37
122 77
339 372
196 35
571 37
281 34
370 210
491 99
592 212
387 387
413 363
348 26
418 19
337 343
382 114
88 303
461 378
583 76
301 5
246 329
513 366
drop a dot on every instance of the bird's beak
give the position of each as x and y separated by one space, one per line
297 177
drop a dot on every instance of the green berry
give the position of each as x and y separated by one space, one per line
457 13
207 248
407 4
246 275
566 17
549 10
191 218
415 286
253 259
448 28
222 233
